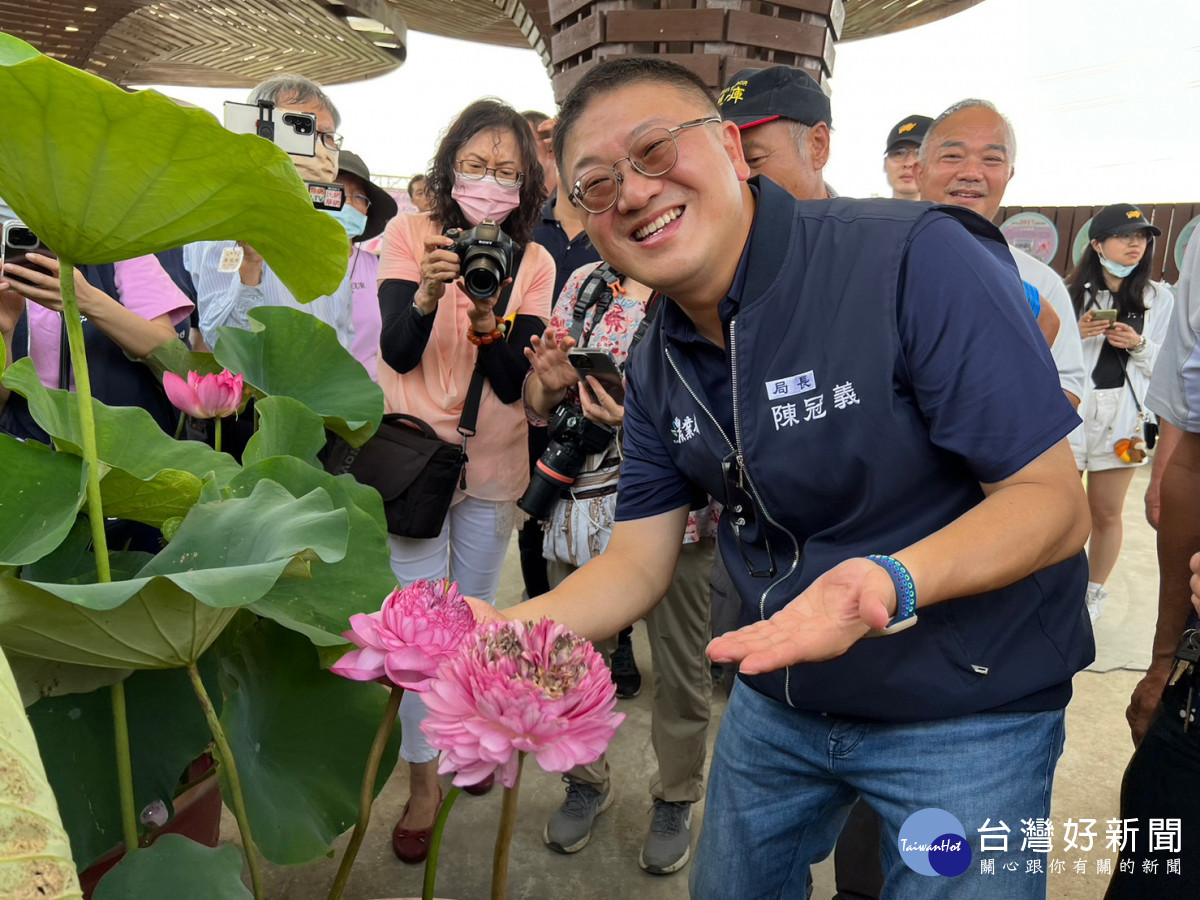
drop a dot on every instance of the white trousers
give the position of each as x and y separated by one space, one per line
470 550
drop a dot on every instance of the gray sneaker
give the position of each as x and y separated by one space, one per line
669 842
570 828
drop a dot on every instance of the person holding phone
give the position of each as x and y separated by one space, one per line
129 308
434 337
578 363
1123 318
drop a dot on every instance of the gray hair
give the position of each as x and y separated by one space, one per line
799 132
970 103
294 87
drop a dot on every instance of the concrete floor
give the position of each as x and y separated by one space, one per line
1087 783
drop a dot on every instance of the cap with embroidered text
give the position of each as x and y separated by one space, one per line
909 130
1119 219
755 96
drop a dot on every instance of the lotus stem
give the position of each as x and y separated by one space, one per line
225 758
129 825
366 796
95 509
179 426
217 434
87 416
435 842
508 822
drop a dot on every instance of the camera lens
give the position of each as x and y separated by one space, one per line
482 280
299 124
23 239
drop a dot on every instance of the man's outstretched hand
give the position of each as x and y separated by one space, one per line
838 609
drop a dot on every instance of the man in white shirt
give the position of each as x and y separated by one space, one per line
226 293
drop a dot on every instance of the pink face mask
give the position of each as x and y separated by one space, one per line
485 200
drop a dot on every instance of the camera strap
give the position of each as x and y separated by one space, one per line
470 413
595 293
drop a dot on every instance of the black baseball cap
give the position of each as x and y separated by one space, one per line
1119 219
909 130
383 204
755 96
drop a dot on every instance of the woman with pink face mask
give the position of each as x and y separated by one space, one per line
435 334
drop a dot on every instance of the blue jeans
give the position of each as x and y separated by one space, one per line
782 783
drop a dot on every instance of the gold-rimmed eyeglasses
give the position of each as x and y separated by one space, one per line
653 154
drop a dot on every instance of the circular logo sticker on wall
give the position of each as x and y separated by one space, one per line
1185 235
1081 242
933 842
1033 233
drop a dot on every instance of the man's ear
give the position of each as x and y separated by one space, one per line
818 145
731 138
919 174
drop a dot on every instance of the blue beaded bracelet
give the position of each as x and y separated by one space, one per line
906 593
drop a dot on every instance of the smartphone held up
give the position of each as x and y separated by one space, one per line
19 241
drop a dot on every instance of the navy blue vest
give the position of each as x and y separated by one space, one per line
116 379
820 293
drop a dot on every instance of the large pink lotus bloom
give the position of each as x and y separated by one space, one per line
517 687
418 627
205 396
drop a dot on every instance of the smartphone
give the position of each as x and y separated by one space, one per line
599 364
18 240
1108 315
292 132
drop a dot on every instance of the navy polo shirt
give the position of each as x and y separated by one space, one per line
568 254
944 342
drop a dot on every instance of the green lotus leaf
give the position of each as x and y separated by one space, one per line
40 494
167 731
129 440
286 427
174 866
321 606
225 555
290 353
300 736
102 175
41 678
35 854
174 356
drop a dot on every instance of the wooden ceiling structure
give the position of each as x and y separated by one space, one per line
237 43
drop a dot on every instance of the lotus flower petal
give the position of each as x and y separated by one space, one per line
518 688
417 628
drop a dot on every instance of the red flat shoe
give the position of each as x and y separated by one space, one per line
480 788
412 846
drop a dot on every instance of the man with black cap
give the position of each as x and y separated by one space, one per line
900 156
784 119
368 208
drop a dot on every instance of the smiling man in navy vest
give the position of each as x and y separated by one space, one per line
854 380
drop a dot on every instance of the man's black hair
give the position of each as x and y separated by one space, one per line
618 73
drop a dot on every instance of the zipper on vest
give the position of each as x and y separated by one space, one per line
742 471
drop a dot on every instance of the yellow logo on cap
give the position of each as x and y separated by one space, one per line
903 128
734 92
1134 214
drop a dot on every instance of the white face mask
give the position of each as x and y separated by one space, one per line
1115 269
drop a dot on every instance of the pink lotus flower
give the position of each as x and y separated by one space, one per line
418 627
205 396
520 688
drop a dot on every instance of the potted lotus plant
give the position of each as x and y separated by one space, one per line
132 665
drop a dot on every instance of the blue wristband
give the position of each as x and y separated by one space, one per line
906 593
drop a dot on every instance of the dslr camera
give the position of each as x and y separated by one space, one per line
486 254
572 438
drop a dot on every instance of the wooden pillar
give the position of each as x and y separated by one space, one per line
714 38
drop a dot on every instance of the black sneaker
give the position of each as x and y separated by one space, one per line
625 674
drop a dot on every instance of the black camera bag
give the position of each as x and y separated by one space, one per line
413 469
